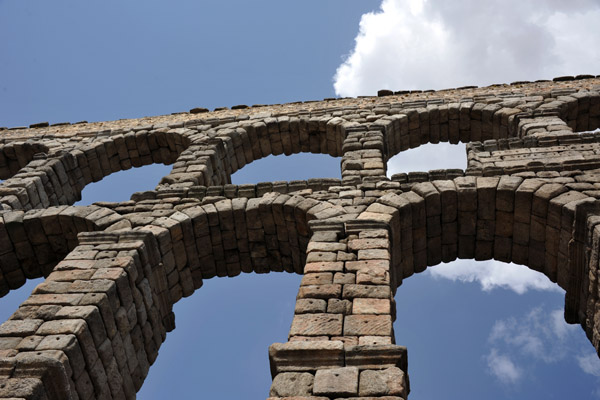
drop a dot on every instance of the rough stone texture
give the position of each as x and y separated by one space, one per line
337 382
292 384
114 271
382 383
317 325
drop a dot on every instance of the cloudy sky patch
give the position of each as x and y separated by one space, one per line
503 368
493 275
520 343
434 44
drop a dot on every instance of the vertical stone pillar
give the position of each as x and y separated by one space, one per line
363 158
92 329
341 343
581 297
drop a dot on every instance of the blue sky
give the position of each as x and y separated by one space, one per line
478 330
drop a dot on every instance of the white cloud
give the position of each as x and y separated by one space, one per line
433 44
560 328
589 363
539 335
494 274
503 368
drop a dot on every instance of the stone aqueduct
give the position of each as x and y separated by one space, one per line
113 271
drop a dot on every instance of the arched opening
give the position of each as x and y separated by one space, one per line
479 333
59 178
453 122
263 245
428 157
11 301
119 186
301 166
229 324
538 222
212 160
14 156
251 141
222 336
34 241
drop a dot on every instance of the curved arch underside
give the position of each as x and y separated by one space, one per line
114 270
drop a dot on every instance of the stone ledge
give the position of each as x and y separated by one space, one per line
377 356
305 356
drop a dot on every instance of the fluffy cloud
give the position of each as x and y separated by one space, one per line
503 368
433 44
540 335
589 363
517 344
493 274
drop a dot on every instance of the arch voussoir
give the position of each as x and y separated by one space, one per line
36 240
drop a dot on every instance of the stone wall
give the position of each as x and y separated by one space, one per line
114 271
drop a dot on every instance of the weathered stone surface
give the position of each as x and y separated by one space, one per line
317 278
373 276
20 328
324 267
384 382
316 325
355 266
373 340
289 384
371 306
320 291
304 306
368 325
337 306
336 382
364 244
298 356
369 291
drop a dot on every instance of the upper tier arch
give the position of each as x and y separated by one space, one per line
59 177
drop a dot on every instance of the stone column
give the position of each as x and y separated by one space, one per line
341 343
363 158
92 329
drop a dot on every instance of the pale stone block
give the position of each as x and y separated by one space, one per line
336 382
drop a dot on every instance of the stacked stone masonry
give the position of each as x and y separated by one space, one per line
113 271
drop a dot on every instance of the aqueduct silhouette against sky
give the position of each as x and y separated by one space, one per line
114 271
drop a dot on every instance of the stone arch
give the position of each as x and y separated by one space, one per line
539 223
59 178
284 135
33 242
231 236
579 110
229 147
510 124
465 122
112 296
16 155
